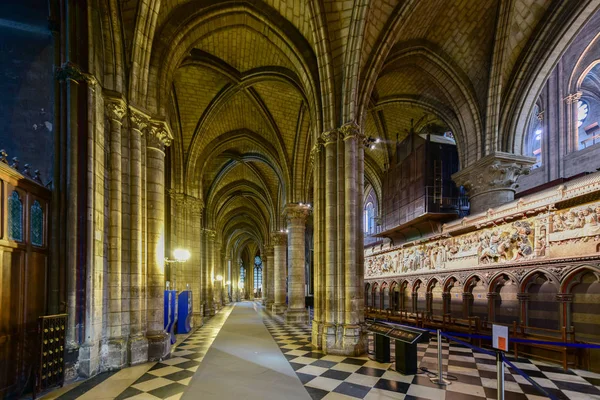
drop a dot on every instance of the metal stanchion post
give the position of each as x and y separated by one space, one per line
440 378
500 375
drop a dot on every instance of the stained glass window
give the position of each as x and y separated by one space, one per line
15 217
257 278
242 276
37 224
582 112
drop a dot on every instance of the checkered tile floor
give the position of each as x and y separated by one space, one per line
169 379
473 374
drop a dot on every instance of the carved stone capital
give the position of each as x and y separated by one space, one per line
492 180
177 198
159 135
210 234
350 130
268 251
314 152
279 238
573 98
564 297
138 119
296 213
115 109
330 137
196 205
523 296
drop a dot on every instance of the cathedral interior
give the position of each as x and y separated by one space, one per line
300 199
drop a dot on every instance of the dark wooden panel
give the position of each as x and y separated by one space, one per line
10 319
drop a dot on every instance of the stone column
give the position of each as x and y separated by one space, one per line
446 299
269 261
196 207
572 112
566 301
279 275
209 306
138 345
117 347
523 307
491 181
318 165
467 301
353 341
491 298
263 292
330 140
296 216
159 136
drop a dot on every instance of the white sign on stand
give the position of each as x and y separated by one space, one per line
500 337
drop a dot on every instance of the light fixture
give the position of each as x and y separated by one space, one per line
219 277
308 205
301 204
377 140
181 255
228 283
372 147
286 231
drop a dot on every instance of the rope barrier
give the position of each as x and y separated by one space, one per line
530 380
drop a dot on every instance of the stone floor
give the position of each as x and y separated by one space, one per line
245 353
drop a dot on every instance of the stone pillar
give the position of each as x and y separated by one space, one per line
491 298
159 136
196 207
269 262
279 275
566 301
138 345
117 344
209 306
446 299
523 307
330 140
572 112
492 181
263 292
296 311
317 163
354 339
467 301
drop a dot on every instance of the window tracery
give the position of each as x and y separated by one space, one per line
15 217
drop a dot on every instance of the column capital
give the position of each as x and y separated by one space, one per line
195 204
492 180
177 198
115 108
564 297
139 120
210 233
523 296
159 135
351 130
315 150
296 212
573 98
330 137
279 238
269 250
491 295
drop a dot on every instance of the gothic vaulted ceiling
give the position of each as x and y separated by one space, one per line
248 85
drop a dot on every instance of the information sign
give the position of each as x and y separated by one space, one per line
500 337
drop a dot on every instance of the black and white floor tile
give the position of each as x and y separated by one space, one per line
473 375
168 379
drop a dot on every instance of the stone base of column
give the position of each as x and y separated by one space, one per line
278 309
317 334
89 359
159 346
115 351
296 316
344 340
269 305
138 350
209 310
71 362
198 318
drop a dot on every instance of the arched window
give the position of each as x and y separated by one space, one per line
533 139
257 275
15 217
583 110
37 224
242 276
369 215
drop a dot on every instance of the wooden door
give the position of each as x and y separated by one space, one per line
24 206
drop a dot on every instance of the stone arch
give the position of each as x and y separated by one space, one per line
580 301
540 57
368 295
375 297
384 302
476 305
540 308
419 296
503 302
395 298
435 297
454 297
